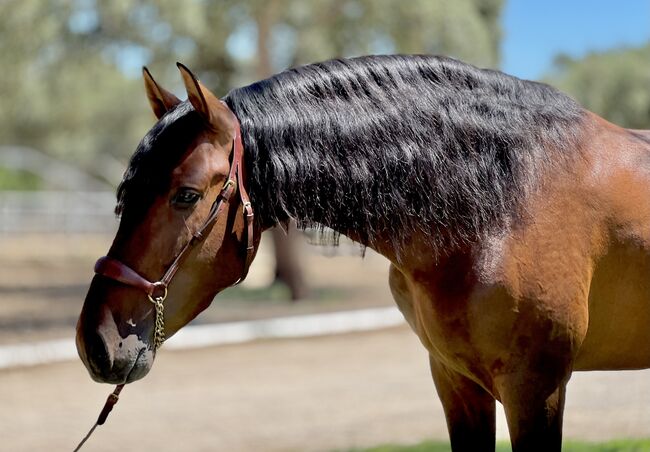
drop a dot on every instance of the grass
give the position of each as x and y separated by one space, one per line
19 180
623 445
280 293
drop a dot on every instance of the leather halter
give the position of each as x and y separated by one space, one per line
157 291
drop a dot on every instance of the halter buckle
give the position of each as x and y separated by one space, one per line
228 183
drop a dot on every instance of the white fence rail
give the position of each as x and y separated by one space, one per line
57 211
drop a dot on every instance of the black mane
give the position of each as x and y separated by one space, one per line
387 145
381 146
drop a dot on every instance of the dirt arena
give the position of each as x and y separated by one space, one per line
319 394
316 394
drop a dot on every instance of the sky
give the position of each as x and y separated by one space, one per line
537 30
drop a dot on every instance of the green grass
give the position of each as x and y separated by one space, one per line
18 180
279 293
623 445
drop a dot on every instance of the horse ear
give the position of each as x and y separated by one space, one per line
160 99
215 113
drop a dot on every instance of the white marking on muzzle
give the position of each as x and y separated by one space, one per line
118 348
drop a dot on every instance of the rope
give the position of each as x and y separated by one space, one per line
108 406
83 441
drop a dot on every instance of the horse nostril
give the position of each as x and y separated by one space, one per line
97 354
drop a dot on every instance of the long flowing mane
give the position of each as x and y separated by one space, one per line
381 146
388 145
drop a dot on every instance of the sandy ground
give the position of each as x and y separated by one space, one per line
319 394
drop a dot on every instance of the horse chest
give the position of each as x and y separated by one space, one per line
440 310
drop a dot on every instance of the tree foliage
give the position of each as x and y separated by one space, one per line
614 84
71 68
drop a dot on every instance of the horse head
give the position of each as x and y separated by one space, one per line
178 219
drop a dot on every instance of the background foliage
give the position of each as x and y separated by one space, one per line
614 84
71 82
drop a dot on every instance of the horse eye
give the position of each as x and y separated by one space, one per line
185 198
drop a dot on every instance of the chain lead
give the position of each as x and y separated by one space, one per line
159 330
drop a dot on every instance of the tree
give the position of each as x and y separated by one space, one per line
71 68
614 84
58 93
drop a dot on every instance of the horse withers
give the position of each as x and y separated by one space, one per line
517 224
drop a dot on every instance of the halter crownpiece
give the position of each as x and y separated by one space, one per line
157 291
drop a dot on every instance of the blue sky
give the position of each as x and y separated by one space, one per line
537 30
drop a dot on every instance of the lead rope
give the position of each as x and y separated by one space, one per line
108 406
113 397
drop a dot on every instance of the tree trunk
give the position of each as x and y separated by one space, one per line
287 262
288 269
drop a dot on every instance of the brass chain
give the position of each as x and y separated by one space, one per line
159 330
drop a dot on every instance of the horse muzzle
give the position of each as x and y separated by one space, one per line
111 358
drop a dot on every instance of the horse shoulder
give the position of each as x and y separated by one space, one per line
517 296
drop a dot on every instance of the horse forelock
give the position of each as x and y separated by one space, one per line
157 154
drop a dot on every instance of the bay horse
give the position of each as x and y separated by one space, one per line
517 224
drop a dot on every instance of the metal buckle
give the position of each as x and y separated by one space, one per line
161 298
247 205
228 183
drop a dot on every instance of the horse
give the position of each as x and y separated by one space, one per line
516 223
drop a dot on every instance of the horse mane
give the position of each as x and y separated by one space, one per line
384 146
381 147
